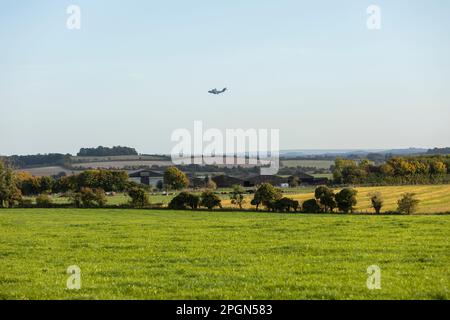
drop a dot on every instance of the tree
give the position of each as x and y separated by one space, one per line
408 204
326 199
283 205
10 194
184 200
27 183
237 196
210 200
311 206
346 199
377 202
89 198
160 185
139 197
175 179
210 184
265 194
293 181
46 184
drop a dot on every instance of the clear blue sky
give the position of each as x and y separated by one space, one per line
137 70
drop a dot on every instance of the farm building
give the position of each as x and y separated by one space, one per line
307 179
224 181
147 177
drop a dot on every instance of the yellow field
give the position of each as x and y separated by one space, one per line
433 198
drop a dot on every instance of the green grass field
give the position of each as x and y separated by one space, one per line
136 254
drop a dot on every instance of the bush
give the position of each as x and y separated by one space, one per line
237 196
408 204
184 200
377 202
346 200
44 201
325 198
210 200
89 198
311 206
283 205
139 197
265 195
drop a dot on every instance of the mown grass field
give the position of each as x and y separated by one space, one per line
136 254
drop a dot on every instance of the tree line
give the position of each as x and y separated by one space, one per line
106 151
397 170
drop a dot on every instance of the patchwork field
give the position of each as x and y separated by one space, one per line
133 254
433 198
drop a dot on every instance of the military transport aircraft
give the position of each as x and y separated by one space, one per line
215 91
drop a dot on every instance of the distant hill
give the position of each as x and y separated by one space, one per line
439 151
349 152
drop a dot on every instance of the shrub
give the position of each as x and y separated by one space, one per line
89 198
377 202
210 200
175 179
283 205
44 201
184 200
237 196
346 200
139 197
265 194
311 206
325 198
408 204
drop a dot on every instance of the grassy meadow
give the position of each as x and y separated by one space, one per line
138 254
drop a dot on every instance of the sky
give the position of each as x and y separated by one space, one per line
138 70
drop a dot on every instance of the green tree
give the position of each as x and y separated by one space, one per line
237 196
265 194
325 198
346 199
408 204
184 200
377 202
293 181
139 197
311 206
89 198
175 179
210 200
10 194
46 184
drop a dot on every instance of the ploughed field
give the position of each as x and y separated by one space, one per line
139 254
